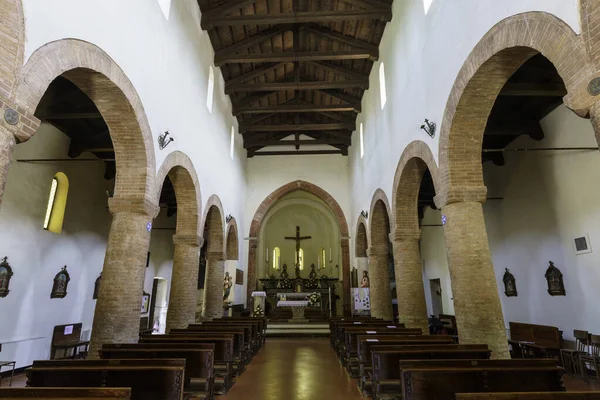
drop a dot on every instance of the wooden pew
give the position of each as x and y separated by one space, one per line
385 375
66 338
149 379
441 379
199 371
65 393
255 340
350 344
261 324
245 331
342 326
530 396
537 340
240 355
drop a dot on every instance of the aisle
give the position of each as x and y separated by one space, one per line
294 369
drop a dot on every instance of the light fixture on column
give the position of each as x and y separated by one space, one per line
365 214
164 140
228 218
429 128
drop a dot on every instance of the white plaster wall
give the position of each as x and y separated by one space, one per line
433 258
168 63
423 55
549 198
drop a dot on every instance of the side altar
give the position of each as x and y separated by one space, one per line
300 287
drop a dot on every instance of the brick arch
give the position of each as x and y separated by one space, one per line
232 246
12 32
101 79
180 170
414 161
213 223
380 213
270 201
502 51
361 243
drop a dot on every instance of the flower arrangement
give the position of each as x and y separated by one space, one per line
314 300
258 312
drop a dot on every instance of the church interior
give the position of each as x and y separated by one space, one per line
298 199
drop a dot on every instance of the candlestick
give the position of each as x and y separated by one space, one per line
267 258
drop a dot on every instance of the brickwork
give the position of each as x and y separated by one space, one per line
12 39
590 33
7 145
232 240
379 251
491 63
184 282
361 239
117 315
264 208
213 286
101 79
476 300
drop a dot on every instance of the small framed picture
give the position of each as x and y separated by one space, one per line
145 303
582 244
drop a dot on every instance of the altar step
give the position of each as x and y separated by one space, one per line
278 329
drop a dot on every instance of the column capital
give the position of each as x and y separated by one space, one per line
190 240
461 194
215 255
400 235
133 205
375 250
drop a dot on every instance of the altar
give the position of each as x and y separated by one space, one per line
297 306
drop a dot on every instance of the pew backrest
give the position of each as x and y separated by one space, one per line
530 396
65 393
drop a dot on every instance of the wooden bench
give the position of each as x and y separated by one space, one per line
536 340
367 343
260 323
246 353
530 396
65 393
199 371
253 337
66 338
341 329
334 321
441 379
385 375
149 379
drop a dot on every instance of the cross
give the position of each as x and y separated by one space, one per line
298 239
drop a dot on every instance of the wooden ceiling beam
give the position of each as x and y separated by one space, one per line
533 89
293 108
291 57
342 97
297 153
297 18
230 6
259 38
339 117
348 73
252 99
250 75
314 142
295 127
348 40
368 3
256 119
265 87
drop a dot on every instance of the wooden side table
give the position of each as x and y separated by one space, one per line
12 374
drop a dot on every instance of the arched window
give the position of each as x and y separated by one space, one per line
232 142
301 261
322 259
382 91
211 88
362 141
165 6
427 5
276 257
57 202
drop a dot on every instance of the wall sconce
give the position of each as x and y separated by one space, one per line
228 218
429 128
164 140
364 214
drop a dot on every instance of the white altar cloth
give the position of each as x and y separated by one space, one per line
292 303
294 295
259 294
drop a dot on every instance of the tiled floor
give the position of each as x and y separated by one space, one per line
303 369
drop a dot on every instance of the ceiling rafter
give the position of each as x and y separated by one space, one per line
291 56
302 85
294 108
348 40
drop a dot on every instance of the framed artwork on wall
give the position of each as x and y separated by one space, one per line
239 277
582 244
145 303
5 274
554 277
510 285
59 287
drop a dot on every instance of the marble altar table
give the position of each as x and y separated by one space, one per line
297 307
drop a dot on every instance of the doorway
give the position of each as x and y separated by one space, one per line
158 305
437 306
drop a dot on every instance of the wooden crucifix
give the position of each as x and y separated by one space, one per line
298 239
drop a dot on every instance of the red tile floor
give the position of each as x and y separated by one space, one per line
304 369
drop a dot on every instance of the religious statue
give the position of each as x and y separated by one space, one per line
226 286
284 282
284 273
313 273
297 270
554 277
510 287
313 282
364 282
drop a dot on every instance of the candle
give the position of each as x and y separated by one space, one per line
267 255
318 263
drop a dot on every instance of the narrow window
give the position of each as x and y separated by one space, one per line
382 91
427 5
210 89
300 259
57 202
323 259
362 141
165 7
231 142
276 257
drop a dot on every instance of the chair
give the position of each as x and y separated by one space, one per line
570 357
592 358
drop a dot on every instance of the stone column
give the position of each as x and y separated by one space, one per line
412 308
379 276
477 305
184 281
346 305
213 286
7 145
117 315
252 265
